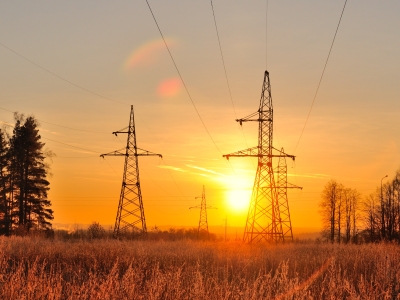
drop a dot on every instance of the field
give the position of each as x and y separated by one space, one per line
111 269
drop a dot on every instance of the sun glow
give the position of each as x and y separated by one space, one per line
239 199
238 192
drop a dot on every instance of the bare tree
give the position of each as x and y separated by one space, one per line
382 212
351 199
328 208
339 209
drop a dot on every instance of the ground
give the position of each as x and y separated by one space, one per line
36 268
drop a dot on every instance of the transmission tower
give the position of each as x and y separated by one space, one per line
268 217
203 223
130 213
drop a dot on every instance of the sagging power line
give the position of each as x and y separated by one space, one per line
320 79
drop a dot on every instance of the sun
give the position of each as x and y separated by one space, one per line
239 199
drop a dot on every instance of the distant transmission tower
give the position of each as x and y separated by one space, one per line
130 214
203 223
268 217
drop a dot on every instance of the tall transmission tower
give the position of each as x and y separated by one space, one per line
268 217
203 222
130 213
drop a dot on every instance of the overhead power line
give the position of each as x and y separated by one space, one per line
266 37
322 75
62 126
223 61
180 76
226 75
65 144
60 77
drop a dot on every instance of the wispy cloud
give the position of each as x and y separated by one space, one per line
172 168
309 175
205 170
192 158
49 131
7 124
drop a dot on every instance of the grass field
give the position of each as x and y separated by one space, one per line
111 269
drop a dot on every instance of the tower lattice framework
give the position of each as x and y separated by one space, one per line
203 222
268 217
130 213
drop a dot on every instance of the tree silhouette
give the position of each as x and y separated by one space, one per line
23 193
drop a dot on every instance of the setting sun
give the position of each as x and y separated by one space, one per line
239 199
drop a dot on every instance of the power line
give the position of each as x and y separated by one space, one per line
60 77
223 61
266 37
322 75
80 148
226 74
173 179
112 168
92 156
57 124
180 76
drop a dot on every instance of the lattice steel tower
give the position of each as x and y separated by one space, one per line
203 222
268 217
130 213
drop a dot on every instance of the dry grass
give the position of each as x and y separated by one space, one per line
109 269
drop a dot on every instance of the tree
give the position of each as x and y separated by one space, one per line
370 217
328 206
5 209
28 183
339 210
96 231
351 199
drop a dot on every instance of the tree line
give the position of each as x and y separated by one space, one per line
23 179
347 217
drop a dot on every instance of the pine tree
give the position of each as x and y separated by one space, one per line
28 183
5 211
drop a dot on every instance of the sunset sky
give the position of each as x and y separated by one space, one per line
114 50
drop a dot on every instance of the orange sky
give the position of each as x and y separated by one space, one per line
115 51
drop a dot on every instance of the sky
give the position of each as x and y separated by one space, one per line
78 66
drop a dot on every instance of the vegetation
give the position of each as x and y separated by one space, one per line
346 218
381 210
96 231
121 269
23 185
339 209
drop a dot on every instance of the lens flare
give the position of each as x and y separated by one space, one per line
169 87
147 54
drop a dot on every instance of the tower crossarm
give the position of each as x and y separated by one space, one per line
122 152
251 152
119 152
147 153
293 186
254 152
208 207
253 118
123 130
283 154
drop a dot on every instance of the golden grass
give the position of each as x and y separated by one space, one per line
110 269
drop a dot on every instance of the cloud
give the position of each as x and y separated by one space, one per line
310 175
206 170
172 168
49 131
